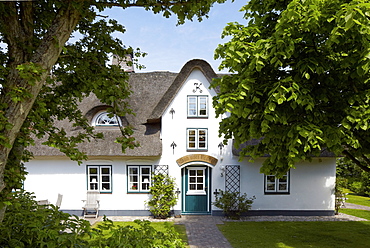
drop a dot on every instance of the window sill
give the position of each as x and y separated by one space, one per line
197 150
138 192
197 117
277 193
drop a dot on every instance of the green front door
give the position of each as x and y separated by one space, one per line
195 185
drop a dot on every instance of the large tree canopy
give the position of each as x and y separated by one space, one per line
42 77
301 82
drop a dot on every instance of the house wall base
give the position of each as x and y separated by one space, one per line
281 212
214 212
118 212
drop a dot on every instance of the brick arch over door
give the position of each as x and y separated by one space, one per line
197 158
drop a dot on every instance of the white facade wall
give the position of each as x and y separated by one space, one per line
311 183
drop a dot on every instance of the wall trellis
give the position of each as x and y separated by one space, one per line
160 169
232 178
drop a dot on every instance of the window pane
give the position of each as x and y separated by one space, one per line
192 106
93 179
200 172
270 187
192 179
106 186
93 186
202 106
105 170
199 186
104 120
270 179
134 179
192 186
105 178
283 187
93 170
133 186
133 171
200 180
283 179
192 172
145 186
145 170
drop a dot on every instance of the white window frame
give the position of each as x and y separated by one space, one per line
143 180
273 184
197 191
111 121
100 180
197 139
197 108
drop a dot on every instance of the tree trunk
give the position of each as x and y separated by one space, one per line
44 56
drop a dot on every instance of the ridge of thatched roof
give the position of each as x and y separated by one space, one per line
177 83
151 93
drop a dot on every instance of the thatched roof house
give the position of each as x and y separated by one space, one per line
151 94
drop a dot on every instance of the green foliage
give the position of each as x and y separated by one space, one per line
44 77
163 196
355 179
300 81
233 204
27 224
143 235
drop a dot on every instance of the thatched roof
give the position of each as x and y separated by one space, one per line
178 82
151 93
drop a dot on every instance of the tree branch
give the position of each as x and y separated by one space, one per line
356 161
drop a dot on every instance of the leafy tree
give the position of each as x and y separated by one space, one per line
353 177
300 82
42 77
163 196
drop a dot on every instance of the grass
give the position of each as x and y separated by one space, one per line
356 212
159 226
297 234
356 199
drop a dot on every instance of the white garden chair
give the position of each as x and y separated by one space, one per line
91 207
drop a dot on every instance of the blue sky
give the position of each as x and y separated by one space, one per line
169 46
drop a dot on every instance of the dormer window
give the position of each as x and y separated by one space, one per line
197 106
104 119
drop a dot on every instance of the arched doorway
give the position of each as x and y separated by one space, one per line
196 183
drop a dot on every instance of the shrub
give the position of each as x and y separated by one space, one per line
143 236
163 196
233 204
27 224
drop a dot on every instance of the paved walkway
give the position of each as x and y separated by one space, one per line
202 231
355 206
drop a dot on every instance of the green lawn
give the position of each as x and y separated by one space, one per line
356 212
356 199
297 234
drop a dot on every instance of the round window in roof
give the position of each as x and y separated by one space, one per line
102 119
